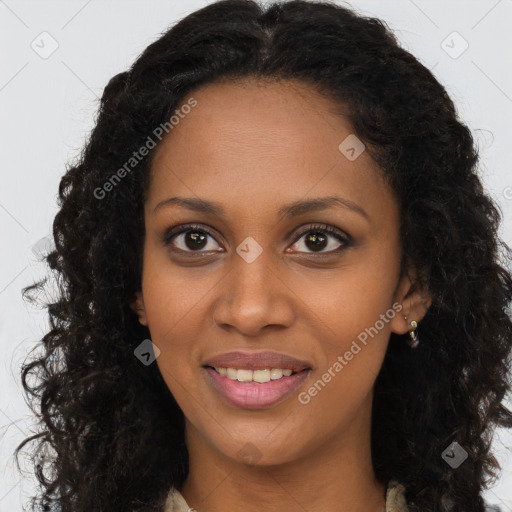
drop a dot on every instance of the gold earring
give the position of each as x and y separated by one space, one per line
414 341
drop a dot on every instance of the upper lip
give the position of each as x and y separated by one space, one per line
256 360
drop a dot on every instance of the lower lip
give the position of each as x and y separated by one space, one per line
253 395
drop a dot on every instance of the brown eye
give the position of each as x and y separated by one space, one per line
316 239
190 239
195 240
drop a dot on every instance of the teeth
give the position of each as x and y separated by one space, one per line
231 373
244 375
261 376
276 373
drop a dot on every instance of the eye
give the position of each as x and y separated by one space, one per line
193 238
317 239
190 238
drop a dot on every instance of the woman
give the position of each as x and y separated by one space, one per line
280 281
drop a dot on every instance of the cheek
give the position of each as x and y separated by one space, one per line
353 349
349 301
172 306
171 313
352 314
172 294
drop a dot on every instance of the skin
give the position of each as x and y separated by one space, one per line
254 147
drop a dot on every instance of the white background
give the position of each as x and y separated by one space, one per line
48 106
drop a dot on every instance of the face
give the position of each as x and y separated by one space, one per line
248 262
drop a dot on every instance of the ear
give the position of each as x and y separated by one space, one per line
415 301
138 307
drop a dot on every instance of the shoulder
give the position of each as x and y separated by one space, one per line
395 498
176 502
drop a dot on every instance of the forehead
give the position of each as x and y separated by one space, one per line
245 116
264 140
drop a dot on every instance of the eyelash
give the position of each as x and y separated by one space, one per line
316 228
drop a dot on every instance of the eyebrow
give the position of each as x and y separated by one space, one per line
290 210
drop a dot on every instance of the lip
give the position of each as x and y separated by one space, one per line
253 395
256 360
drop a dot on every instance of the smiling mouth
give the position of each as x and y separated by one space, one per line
256 376
255 389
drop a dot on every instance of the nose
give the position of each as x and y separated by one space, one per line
253 296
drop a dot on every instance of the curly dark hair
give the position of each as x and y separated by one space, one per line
111 435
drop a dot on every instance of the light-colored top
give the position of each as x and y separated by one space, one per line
395 500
